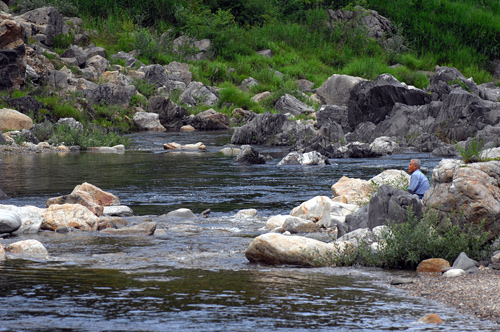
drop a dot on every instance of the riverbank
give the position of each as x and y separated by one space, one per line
476 294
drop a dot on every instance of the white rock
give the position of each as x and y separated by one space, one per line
454 273
246 213
29 248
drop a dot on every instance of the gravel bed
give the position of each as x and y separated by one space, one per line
477 294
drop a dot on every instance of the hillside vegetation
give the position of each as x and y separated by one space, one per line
464 34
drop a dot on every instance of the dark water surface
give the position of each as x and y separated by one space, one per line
196 276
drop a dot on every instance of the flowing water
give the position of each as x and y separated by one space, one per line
195 277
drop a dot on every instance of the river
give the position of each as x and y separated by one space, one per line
195 277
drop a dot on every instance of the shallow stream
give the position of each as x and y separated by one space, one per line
196 276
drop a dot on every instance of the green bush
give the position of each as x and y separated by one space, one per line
144 87
89 137
406 244
472 151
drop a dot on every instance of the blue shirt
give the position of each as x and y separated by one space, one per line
418 183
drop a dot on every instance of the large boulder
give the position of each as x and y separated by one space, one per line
198 93
9 221
148 121
110 94
12 54
172 116
248 155
272 129
373 100
323 210
31 218
43 24
336 90
466 194
328 114
179 72
446 79
69 215
156 74
288 104
274 249
377 26
355 191
77 53
210 120
391 205
463 114
14 120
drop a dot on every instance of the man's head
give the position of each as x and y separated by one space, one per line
414 165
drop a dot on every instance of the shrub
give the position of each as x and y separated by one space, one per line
89 137
407 244
472 151
144 87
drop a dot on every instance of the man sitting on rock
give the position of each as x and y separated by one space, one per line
418 181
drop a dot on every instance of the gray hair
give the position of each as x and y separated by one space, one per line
417 162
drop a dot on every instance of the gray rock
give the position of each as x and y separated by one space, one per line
465 263
93 51
172 116
156 74
70 123
272 129
248 155
9 221
290 104
179 72
2 138
75 52
118 211
298 225
337 89
111 94
130 60
360 234
267 53
198 93
373 100
249 82
46 23
181 214
389 204
445 79
328 114
147 228
56 79
148 121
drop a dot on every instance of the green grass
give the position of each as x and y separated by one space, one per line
87 138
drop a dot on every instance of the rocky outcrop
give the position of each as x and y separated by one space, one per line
110 94
271 129
373 100
172 116
466 194
43 24
288 104
12 53
377 26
